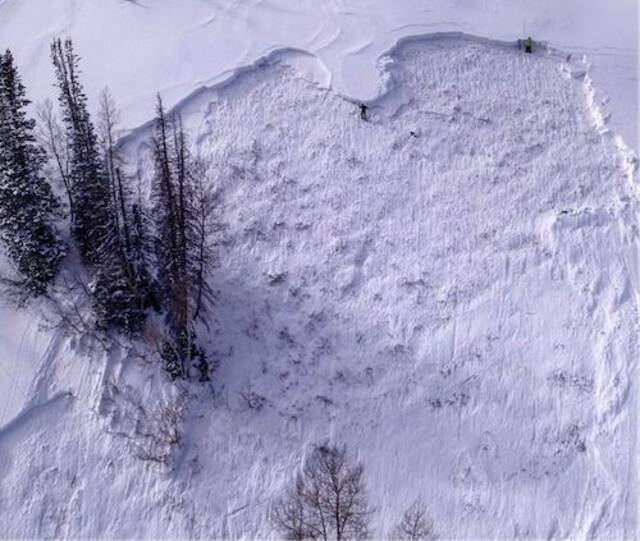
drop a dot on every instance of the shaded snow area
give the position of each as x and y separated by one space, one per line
449 288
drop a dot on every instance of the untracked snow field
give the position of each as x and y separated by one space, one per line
449 288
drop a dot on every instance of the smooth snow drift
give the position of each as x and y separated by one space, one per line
140 47
450 289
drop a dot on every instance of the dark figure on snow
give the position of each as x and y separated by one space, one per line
528 45
363 112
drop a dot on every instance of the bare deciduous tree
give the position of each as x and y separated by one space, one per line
415 524
54 139
108 131
327 499
203 211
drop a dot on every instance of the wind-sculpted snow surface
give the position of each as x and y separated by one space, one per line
140 47
449 288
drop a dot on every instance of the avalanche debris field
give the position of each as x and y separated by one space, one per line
449 288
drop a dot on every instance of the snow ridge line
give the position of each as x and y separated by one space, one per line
274 57
629 165
387 60
43 377
600 119
31 410
280 56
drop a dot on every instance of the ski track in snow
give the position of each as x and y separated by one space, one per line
458 306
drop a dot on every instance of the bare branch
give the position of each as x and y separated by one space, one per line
54 139
416 524
327 499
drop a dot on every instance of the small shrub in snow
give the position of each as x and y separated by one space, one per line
181 356
251 399
276 278
415 524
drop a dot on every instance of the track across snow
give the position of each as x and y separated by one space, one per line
449 288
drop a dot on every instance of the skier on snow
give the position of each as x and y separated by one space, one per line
528 45
363 112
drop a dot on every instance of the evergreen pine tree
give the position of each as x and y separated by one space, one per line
27 204
140 260
99 222
179 242
93 226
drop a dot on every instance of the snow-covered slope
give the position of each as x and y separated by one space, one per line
449 288
139 47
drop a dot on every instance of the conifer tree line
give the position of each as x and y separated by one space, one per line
142 258
27 204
